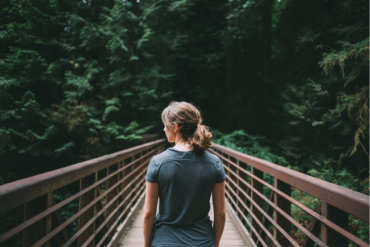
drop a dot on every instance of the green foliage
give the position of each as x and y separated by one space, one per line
358 51
82 79
256 146
325 108
78 84
68 211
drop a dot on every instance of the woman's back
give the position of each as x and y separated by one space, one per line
183 179
186 180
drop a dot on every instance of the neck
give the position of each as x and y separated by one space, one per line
179 139
181 144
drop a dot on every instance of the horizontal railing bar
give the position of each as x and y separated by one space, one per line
291 240
21 191
258 222
288 217
319 217
74 237
111 215
268 208
352 202
245 218
265 199
128 219
52 209
77 234
67 222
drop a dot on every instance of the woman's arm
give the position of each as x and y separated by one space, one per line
219 210
150 209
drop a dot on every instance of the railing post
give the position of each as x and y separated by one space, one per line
62 236
241 185
258 200
233 178
110 182
338 217
85 199
324 228
227 173
314 228
285 205
125 182
142 162
133 176
49 203
32 234
238 184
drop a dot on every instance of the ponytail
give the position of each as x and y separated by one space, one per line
201 139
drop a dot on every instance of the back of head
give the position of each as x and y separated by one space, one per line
189 120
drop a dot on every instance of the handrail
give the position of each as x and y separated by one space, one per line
99 212
352 202
18 192
337 203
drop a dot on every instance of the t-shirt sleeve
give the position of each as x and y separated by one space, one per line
152 172
221 175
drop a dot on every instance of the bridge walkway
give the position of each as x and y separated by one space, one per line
133 236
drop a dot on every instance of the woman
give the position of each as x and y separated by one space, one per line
184 177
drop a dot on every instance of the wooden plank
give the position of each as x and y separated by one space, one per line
248 241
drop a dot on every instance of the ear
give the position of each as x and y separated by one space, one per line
176 127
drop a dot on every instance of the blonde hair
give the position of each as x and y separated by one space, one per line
189 120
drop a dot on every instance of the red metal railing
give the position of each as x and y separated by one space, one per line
329 222
105 211
99 212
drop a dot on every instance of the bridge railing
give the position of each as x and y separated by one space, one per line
107 189
269 219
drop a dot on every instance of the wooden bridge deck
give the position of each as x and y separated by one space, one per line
133 236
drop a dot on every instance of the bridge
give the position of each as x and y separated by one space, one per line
109 191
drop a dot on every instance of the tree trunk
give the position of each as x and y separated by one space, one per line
227 117
266 14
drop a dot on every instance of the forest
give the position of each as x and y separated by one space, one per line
283 80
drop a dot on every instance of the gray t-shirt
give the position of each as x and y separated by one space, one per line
186 180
